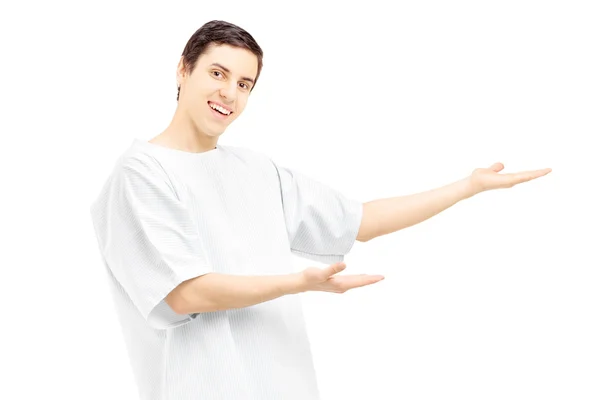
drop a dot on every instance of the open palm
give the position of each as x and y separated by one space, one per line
328 280
483 179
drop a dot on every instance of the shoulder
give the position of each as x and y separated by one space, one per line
139 167
134 168
135 171
136 158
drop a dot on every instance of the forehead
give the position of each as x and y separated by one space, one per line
237 60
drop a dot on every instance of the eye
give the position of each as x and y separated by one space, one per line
217 74
244 85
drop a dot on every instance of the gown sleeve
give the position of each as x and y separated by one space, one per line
148 238
322 224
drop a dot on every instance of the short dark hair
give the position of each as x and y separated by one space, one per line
218 33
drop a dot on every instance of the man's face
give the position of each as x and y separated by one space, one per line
216 93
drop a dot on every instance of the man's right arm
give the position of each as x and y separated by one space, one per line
217 292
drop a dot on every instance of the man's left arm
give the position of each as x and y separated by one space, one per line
384 216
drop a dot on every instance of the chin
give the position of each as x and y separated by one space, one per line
215 132
210 129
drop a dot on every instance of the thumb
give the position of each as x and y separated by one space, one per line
497 167
334 269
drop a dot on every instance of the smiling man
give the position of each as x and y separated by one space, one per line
196 239
216 74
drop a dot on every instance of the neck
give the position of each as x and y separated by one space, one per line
183 134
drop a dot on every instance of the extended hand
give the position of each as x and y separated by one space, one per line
323 279
483 179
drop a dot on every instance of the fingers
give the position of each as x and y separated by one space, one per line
343 283
525 176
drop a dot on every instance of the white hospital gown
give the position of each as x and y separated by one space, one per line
165 216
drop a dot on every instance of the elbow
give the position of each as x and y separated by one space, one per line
180 305
177 303
181 299
366 227
362 238
184 299
364 232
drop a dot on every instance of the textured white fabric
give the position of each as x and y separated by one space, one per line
164 216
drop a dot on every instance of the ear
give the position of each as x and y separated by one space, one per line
181 72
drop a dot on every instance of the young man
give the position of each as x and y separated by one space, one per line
197 238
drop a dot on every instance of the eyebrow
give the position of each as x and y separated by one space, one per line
244 78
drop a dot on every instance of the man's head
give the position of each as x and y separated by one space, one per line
218 69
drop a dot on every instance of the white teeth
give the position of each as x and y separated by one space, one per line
220 109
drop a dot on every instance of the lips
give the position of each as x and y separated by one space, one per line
220 108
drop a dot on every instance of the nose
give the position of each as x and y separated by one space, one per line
229 92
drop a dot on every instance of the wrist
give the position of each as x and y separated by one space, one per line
467 188
296 283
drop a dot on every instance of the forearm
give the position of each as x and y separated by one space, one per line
384 216
215 292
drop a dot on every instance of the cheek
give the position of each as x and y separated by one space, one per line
241 105
195 108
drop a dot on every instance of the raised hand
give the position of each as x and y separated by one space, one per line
326 280
483 179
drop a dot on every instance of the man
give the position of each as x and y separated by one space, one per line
197 239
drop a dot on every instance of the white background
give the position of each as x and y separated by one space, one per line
496 298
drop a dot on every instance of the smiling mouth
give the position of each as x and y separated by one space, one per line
219 109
